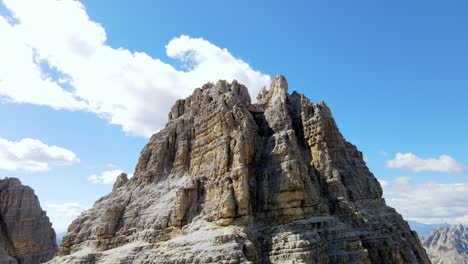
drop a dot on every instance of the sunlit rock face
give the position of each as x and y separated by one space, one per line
231 181
26 234
448 245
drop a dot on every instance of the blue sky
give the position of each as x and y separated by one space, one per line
96 80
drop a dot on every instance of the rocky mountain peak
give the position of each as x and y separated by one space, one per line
231 181
26 234
459 228
7 183
448 245
278 91
120 181
209 94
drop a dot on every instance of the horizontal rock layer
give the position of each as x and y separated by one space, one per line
228 181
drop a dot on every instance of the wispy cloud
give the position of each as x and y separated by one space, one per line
383 153
33 155
410 161
62 214
428 202
130 89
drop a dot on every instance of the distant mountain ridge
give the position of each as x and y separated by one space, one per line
448 245
424 230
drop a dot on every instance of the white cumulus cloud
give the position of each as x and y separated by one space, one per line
410 161
33 155
54 55
106 177
428 202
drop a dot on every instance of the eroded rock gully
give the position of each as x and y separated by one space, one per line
228 181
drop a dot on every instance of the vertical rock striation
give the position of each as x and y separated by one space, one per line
26 234
228 181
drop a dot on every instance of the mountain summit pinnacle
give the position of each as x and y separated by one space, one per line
228 181
278 89
279 85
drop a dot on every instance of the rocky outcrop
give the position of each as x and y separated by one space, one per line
26 234
120 181
228 181
448 245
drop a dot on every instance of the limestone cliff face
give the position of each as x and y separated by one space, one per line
228 181
448 245
26 234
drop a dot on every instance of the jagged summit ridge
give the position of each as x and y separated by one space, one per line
448 245
231 181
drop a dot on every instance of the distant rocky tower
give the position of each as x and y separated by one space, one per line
448 245
228 181
26 234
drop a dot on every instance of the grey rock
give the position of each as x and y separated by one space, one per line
448 245
228 181
26 234
121 180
